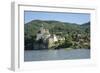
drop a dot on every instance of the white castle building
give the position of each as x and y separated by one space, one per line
44 34
47 38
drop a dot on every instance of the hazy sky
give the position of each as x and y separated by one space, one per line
78 18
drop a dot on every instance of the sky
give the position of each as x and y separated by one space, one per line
78 18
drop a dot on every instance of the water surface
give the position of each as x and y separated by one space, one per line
44 55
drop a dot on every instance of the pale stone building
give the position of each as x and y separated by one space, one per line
47 38
42 33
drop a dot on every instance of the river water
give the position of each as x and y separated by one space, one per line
61 54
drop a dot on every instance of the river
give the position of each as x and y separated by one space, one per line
61 54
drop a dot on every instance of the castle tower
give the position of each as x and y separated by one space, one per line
42 30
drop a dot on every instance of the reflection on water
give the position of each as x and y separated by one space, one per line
43 55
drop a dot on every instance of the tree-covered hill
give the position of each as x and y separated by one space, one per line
58 28
54 26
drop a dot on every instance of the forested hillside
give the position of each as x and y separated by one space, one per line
76 36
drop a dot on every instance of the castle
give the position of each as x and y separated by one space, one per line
47 38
